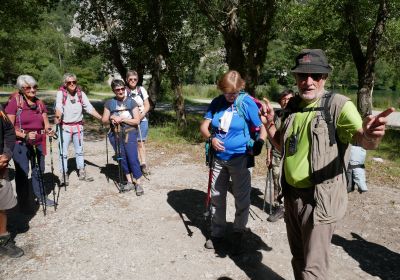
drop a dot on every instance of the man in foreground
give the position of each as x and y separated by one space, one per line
7 198
314 142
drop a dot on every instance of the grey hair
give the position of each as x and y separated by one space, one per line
117 82
24 80
131 73
68 75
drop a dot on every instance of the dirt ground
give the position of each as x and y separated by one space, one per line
98 233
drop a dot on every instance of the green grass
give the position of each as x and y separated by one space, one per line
381 99
389 147
388 171
200 91
164 129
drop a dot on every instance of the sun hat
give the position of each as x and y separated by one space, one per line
312 61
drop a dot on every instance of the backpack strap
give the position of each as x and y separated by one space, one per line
326 102
139 91
65 95
128 102
239 107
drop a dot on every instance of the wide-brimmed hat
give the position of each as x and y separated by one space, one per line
312 61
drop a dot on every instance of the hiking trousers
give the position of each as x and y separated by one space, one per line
276 162
72 133
309 243
129 153
236 169
23 156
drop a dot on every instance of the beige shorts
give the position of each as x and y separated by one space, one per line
7 198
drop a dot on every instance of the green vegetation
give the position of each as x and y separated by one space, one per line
200 91
388 171
389 147
164 128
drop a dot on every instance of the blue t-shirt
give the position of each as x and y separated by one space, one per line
235 140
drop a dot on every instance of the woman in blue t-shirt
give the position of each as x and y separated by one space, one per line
123 115
230 121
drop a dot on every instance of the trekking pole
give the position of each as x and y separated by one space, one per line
52 171
107 131
270 189
118 154
61 150
266 189
42 188
209 162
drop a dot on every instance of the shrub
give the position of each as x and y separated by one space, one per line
50 77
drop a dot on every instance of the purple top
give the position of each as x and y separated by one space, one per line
30 118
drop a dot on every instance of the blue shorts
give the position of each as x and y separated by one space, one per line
144 129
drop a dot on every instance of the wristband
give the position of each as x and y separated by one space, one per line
368 139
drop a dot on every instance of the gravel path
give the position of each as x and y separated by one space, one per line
97 233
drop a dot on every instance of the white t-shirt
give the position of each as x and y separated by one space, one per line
72 110
138 99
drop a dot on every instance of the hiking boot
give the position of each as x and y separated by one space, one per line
83 176
8 247
213 243
278 214
145 170
139 190
127 187
48 202
66 183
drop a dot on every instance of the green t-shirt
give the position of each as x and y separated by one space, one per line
297 166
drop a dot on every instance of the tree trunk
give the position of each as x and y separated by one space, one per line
179 102
161 45
234 52
365 64
155 82
116 57
247 57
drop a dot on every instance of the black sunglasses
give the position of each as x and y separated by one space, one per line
71 83
314 76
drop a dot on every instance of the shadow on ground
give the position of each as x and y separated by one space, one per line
373 258
18 218
189 204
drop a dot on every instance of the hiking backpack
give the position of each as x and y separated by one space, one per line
292 107
20 103
253 131
128 102
139 92
65 95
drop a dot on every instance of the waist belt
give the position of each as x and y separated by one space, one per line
71 125
125 132
38 131
356 166
32 142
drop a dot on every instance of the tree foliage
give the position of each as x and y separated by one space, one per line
146 36
246 28
347 30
